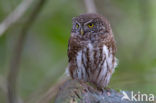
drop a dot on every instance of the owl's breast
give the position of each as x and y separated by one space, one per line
93 64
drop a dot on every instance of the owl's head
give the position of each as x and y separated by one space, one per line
90 24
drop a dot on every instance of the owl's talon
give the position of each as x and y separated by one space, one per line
108 91
105 91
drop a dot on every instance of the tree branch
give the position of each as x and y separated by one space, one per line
15 15
3 87
72 91
15 60
3 84
90 6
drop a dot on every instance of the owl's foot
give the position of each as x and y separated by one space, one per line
106 90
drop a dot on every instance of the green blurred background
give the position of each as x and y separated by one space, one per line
44 57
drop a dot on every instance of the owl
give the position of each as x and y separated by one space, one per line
91 50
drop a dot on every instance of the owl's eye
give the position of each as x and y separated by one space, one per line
90 25
77 25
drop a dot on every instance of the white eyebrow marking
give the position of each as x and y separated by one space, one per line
88 22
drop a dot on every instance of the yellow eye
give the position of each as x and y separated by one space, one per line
77 25
90 25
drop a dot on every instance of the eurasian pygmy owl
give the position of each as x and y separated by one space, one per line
91 50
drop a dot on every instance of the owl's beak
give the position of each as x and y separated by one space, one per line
82 31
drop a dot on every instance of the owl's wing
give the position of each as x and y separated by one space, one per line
73 48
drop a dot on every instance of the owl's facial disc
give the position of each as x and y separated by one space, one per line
84 27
